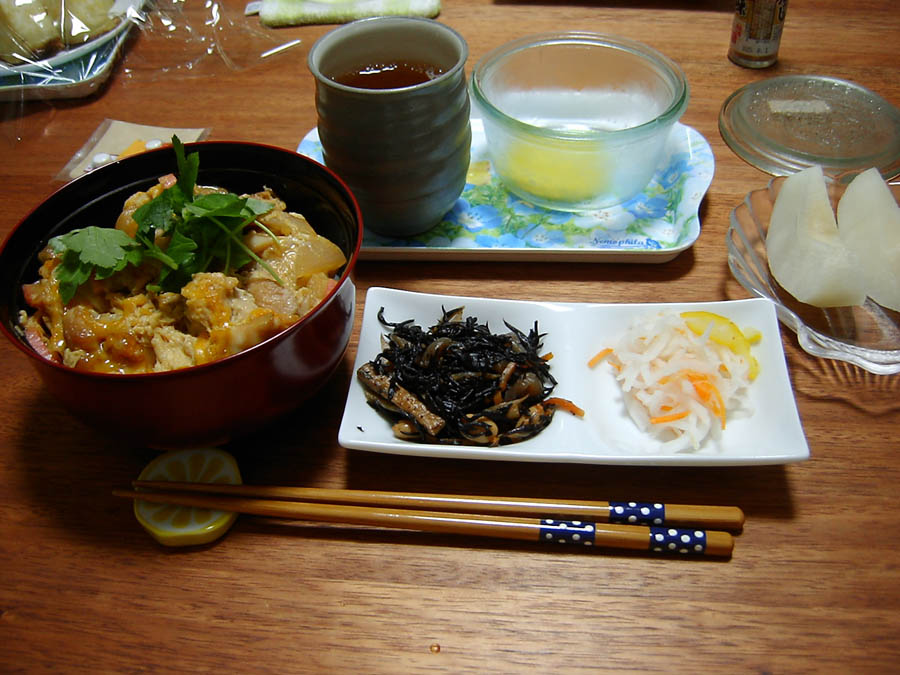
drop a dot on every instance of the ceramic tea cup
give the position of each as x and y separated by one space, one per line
393 118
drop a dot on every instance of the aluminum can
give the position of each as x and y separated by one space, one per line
756 32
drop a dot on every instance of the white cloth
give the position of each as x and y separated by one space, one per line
297 12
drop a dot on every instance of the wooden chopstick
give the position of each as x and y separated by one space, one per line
551 530
626 513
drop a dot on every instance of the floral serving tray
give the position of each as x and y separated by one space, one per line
488 223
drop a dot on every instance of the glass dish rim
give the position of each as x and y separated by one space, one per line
666 67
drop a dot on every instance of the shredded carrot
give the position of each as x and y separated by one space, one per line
662 419
599 356
708 393
566 405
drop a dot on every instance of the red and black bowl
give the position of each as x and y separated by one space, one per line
210 403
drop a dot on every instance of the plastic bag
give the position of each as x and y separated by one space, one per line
59 48
53 49
201 38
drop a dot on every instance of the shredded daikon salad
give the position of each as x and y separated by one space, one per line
683 376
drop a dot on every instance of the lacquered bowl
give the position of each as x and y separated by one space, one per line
214 402
867 335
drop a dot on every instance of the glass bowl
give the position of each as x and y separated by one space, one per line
577 121
866 335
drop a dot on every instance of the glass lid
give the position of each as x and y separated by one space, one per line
787 123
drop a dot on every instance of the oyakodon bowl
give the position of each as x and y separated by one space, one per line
577 121
210 403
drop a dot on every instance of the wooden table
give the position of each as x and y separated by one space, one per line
812 585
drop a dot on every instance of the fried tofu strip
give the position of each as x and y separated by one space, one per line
400 397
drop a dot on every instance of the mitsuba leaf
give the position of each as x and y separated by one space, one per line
257 206
132 255
181 249
181 252
100 246
204 233
101 251
70 274
158 214
228 205
188 169
214 204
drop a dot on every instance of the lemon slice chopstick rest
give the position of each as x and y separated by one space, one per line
173 525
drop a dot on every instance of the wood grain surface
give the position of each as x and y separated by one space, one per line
812 585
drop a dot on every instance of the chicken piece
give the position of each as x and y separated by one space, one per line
295 258
303 260
299 251
118 341
47 322
267 293
208 301
225 318
221 342
283 223
83 329
173 349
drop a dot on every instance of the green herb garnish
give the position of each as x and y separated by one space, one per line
204 231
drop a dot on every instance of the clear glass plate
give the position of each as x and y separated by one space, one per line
786 123
867 335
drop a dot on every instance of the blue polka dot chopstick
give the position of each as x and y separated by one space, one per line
654 527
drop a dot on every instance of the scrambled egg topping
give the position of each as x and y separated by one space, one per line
118 325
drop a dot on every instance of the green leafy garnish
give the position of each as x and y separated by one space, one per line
100 251
204 234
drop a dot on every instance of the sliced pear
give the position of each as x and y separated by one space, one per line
806 254
869 222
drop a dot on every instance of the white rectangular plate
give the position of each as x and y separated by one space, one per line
771 434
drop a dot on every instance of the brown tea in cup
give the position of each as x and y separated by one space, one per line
389 75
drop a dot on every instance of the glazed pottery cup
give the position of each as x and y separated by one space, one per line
402 150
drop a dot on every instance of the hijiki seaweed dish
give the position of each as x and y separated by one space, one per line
459 383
